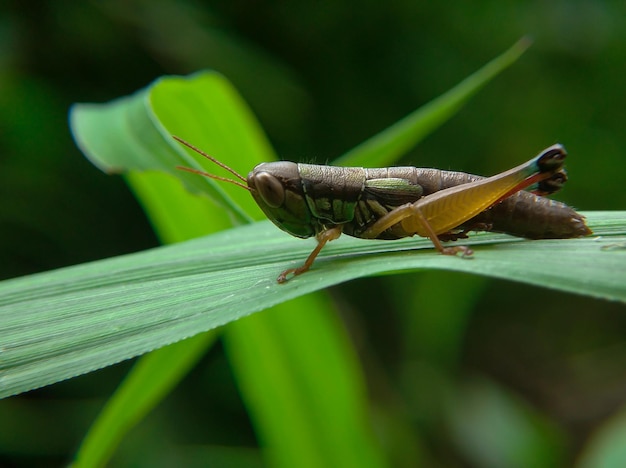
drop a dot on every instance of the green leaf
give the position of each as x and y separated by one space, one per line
180 104
387 146
134 134
66 322
150 380
605 446
493 428
175 214
301 370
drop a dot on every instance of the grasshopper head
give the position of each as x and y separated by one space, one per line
277 189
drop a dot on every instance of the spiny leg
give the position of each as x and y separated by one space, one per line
412 210
388 220
466 251
322 238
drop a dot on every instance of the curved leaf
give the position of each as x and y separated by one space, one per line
205 107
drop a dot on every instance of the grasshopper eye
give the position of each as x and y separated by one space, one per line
270 188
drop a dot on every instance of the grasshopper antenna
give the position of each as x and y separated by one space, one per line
215 161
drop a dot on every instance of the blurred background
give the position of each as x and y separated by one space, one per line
322 77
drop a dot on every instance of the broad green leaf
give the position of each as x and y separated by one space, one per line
119 136
66 322
387 146
205 110
130 134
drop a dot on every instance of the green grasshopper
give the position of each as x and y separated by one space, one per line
307 200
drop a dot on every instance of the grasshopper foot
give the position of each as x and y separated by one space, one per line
283 277
322 237
466 252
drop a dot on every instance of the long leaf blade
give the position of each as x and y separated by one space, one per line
387 146
288 376
150 380
122 307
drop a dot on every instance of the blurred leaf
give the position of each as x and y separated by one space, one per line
290 376
150 380
435 321
493 429
605 448
387 146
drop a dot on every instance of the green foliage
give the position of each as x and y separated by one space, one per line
63 323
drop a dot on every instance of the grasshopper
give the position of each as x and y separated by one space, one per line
307 200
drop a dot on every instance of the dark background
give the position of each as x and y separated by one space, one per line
321 77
